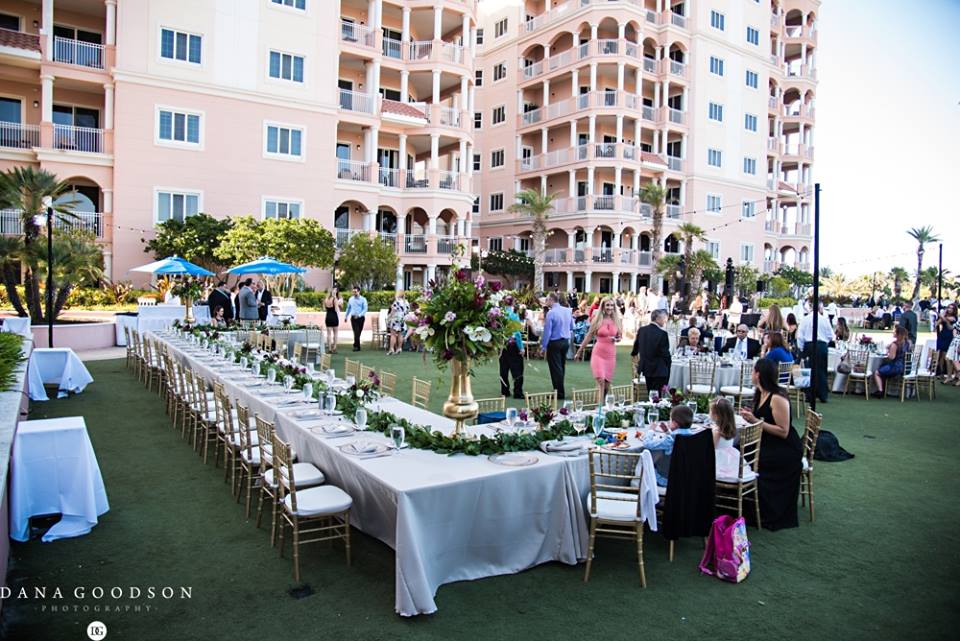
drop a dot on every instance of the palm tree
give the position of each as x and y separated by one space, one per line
668 266
77 260
538 207
28 190
655 196
837 286
700 263
689 233
922 235
899 275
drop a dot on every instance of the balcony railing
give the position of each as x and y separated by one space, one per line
16 136
646 210
388 238
773 102
676 116
674 163
446 244
390 177
644 258
605 150
554 256
775 21
602 255
771 225
77 52
649 113
353 170
415 243
450 180
678 20
806 152
449 117
11 222
598 99
451 52
774 59
678 68
770 266
412 181
773 144
420 50
673 211
392 48
73 138
650 64
343 236
628 256
357 34
356 101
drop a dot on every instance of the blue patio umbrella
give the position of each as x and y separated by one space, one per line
173 266
266 265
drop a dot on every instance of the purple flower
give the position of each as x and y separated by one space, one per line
494 312
564 411
496 285
461 275
494 324
522 414
448 354
479 282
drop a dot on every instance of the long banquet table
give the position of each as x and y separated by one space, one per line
449 518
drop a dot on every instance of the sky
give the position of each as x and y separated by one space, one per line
887 132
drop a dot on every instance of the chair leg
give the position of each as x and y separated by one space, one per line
670 552
756 505
296 550
643 574
346 529
593 539
810 492
249 492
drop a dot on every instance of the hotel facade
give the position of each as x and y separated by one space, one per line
418 121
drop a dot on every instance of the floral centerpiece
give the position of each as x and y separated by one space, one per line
188 289
461 323
359 394
542 415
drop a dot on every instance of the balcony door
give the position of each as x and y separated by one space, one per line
76 116
68 116
71 48
11 110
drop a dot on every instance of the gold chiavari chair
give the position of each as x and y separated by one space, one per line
811 433
281 339
487 405
388 383
326 362
901 381
420 393
626 391
190 404
922 374
365 372
249 458
615 482
312 344
170 389
298 353
351 368
730 492
541 398
797 393
325 509
589 397
701 378
206 418
859 360
227 438
784 374
743 390
306 474
137 353
131 353
640 391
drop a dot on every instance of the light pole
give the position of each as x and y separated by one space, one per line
480 256
49 276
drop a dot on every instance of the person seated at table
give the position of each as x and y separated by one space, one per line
772 319
842 331
792 326
775 348
218 319
741 346
892 365
695 344
724 434
681 420
873 317
780 448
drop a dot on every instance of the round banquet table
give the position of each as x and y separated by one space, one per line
841 379
723 376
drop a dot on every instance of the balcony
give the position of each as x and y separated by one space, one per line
678 20
592 99
359 35
389 177
343 236
676 116
775 21
356 101
674 163
555 256
446 244
678 69
673 212
392 48
770 266
644 258
773 103
773 145
449 117
13 135
558 61
806 152
70 138
650 65
628 256
450 180
388 239
354 170
415 243
11 222
561 11
424 51
597 204
602 255
77 52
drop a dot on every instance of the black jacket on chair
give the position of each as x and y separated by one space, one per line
652 349
691 486
753 347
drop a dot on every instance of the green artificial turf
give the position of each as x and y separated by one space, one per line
878 563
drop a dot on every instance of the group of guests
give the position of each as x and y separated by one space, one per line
356 315
247 300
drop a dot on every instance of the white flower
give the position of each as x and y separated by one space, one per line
496 297
478 334
424 331
359 393
449 317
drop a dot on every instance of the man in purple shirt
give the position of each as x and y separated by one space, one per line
556 341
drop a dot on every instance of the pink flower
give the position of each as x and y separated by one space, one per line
496 285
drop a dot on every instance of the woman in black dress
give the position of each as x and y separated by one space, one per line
780 449
332 304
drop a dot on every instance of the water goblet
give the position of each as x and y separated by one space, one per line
307 391
243 362
331 375
621 401
578 404
360 418
287 383
397 434
271 376
511 416
310 368
608 402
568 405
330 402
652 397
692 405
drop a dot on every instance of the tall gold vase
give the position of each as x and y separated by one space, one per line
188 310
460 405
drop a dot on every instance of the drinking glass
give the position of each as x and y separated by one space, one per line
511 416
568 405
693 406
307 391
271 376
243 362
608 402
598 424
580 425
397 434
255 368
331 375
310 368
653 397
578 404
621 401
360 418
652 417
732 400
287 383
330 402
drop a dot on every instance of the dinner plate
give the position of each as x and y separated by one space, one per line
309 414
513 459
357 449
332 429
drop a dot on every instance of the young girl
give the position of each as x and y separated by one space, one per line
724 433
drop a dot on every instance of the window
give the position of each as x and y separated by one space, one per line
495 244
275 208
750 166
177 126
9 22
524 245
500 28
295 4
284 142
179 45
496 159
749 209
714 157
476 162
478 78
496 202
714 203
746 253
717 20
479 37
172 205
477 119
476 205
499 114
716 65
753 36
751 79
499 71
716 112
750 122
285 66
713 247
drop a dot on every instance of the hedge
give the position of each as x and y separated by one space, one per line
780 302
375 300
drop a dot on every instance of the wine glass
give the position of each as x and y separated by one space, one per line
599 423
243 362
578 404
580 426
330 402
287 383
271 376
608 402
307 391
568 405
621 401
652 417
653 397
692 405
511 416
397 434
310 368
360 418
331 375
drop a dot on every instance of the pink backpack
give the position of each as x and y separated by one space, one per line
727 555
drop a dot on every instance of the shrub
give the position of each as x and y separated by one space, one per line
781 302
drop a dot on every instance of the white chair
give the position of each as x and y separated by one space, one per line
744 389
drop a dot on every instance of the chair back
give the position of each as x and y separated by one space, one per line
382 320
265 434
858 359
351 368
785 373
388 383
283 472
626 391
364 372
701 372
640 392
200 394
326 361
147 301
224 422
589 397
749 447
243 419
542 398
421 393
811 433
298 352
616 474
746 375
497 404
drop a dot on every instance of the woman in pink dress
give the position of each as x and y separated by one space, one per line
607 327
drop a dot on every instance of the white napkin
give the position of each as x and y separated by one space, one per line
562 448
365 446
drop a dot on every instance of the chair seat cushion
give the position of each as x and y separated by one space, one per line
252 457
748 475
700 389
304 475
616 509
323 499
735 390
804 463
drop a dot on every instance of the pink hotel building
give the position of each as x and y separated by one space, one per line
418 120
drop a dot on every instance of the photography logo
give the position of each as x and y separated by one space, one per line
96 631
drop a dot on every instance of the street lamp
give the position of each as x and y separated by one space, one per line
39 220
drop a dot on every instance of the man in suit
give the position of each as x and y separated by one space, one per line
909 321
742 347
248 302
651 351
220 297
555 341
264 300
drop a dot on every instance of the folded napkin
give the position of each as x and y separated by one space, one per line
563 448
366 448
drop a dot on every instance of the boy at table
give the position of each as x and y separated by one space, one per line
681 420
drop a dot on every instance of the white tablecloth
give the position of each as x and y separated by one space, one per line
54 470
156 317
60 366
449 518
18 325
840 379
722 376
287 309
